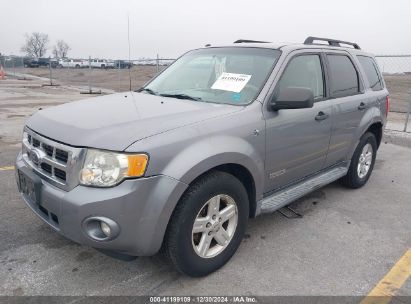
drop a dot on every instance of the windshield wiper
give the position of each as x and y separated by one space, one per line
150 91
181 96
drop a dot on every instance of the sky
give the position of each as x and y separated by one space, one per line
98 28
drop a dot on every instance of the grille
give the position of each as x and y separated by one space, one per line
49 216
48 149
36 142
60 174
55 162
61 155
46 167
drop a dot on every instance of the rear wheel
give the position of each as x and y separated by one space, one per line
208 224
362 162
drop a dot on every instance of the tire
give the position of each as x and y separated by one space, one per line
182 244
356 178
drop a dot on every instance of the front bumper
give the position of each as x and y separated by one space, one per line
141 208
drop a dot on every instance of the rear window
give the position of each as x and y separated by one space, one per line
343 75
370 69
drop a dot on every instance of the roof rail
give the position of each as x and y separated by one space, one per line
332 42
249 41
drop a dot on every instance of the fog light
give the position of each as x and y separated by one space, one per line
106 229
100 228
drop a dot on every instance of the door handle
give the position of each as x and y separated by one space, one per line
362 106
321 116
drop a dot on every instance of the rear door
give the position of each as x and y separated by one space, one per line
297 139
349 103
376 87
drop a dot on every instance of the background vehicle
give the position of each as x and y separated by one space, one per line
123 64
71 63
224 134
30 63
44 62
102 63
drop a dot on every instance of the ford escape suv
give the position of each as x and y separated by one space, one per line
222 135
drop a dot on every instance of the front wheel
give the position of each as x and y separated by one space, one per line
208 224
362 162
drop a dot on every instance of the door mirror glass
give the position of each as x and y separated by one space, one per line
293 98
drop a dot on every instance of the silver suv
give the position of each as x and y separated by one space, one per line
222 135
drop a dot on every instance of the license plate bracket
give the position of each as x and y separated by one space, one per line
29 185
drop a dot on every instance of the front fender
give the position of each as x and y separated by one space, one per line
186 153
208 153
192 161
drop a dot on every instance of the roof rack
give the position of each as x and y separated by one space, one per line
332 42
249 41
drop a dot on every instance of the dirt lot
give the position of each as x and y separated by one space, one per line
113 79
346 241
399 86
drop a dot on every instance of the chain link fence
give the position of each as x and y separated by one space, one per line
396 70
106 76
89 74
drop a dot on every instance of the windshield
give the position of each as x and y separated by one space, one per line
222 75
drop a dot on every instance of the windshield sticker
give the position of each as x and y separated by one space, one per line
231 82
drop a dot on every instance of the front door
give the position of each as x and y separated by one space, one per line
297 140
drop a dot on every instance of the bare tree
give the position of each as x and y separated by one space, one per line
55 52
61 49
36 44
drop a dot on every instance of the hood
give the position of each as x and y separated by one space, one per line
114 122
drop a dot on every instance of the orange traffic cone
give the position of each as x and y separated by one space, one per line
2 73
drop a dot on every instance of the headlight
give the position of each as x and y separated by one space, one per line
105 169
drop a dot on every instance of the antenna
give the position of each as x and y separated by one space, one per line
128 38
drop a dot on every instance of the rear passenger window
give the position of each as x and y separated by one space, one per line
371 72
304 71
343 76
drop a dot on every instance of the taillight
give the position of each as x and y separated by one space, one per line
387 105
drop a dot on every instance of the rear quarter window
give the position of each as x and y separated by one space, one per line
343 76
371 72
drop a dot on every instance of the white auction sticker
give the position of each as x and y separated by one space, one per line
231 82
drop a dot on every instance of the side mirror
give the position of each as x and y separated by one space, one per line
293 98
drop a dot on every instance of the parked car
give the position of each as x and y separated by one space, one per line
102 64
30 63
71 63
45 62
223 135
123 64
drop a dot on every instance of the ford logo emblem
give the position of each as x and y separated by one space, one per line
35 157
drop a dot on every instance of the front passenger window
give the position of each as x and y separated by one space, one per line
304 71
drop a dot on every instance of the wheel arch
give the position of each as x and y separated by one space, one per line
243 175
371 122
239 171
377 129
